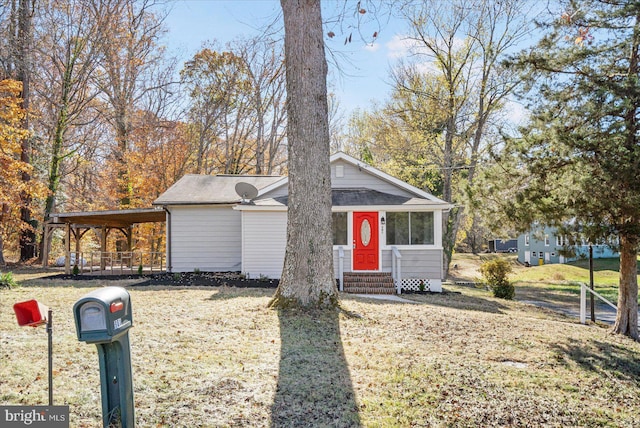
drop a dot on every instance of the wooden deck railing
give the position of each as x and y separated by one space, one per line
117 262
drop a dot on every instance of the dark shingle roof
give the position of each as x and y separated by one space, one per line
354 197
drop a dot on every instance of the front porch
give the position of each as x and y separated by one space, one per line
401 269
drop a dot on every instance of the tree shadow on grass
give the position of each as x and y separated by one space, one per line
457 300
603 358
314 384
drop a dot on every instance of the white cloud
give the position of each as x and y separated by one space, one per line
372 47
400 47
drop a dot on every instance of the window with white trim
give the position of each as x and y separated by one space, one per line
339 227
547 241
526 239
410 228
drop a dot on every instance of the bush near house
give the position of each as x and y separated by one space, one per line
495 275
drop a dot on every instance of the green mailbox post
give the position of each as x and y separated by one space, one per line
104 317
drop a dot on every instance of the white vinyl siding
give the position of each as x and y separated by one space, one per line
278 192
264 240
416 263
205 238
354 177
350 177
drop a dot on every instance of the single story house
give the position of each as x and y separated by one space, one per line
542 245
380 224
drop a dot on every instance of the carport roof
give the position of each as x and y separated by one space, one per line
111 218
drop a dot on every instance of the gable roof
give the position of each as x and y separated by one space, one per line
370 170
194 189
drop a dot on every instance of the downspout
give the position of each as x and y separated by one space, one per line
169 267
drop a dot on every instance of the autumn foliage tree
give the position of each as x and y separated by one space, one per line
131 70
12 186
66 57
221 112
237 107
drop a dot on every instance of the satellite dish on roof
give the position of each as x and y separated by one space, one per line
246 191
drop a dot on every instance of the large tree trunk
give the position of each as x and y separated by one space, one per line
450 225
23 60
307 276
2 262
627 316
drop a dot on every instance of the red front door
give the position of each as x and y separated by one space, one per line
365 241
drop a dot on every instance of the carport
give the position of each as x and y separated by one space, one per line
77 224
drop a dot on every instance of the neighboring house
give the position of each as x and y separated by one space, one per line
545 245
380 224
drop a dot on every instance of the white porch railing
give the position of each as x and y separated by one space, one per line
396 268
583 301
341 267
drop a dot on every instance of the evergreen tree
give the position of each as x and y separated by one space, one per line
579 157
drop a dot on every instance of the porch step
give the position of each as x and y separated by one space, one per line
368 283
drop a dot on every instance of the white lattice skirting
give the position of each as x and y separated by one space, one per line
413 284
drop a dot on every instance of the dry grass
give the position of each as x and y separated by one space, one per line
217 357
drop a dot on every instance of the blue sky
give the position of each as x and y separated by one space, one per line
364 69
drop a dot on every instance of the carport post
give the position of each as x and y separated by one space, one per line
103 247
67 245
78 236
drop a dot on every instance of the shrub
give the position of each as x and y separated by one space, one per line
76 270
7 280
140 269
494 274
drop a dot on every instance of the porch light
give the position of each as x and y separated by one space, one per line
382 221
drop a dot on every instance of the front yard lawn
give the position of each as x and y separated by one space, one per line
217 356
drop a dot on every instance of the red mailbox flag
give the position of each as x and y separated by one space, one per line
30 313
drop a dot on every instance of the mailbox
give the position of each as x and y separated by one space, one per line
103 315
